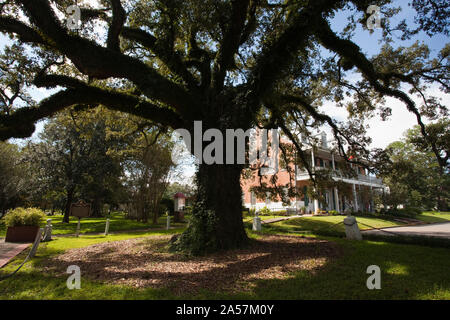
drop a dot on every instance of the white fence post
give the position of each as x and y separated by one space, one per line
107 227
78 227
37 240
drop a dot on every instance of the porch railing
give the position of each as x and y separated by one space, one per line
338 174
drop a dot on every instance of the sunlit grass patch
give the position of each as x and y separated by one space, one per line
118 222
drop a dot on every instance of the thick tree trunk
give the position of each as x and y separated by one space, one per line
216 222
69 201
155 214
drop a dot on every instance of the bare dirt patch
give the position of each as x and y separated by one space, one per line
147 263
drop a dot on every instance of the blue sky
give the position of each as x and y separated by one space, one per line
370 42
385 132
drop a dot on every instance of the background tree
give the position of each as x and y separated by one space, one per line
149 167
232 64
72 157
413 175
102 171
13 179
187 189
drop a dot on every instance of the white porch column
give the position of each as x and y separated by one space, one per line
316 206
336 200
336 195
313 166
355 199
295 181
372 209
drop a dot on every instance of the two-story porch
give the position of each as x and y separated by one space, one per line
355 193
360 187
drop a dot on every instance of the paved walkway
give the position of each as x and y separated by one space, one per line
9 250
440 230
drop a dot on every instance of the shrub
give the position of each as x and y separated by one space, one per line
414 211
187 210
281 213
265 212
24 217
333 212
406 212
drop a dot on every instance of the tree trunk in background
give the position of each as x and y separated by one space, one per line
442 204
69 201
216 222
97 205
154 209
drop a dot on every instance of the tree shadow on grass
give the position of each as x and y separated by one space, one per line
301 225
407 272
147 263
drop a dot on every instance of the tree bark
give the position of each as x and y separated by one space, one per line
69 201
216 222
97 206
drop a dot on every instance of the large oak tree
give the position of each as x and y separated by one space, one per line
229 63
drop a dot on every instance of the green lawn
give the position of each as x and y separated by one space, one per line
91 225
328 225
408 271
263 218
433 217
31 283
119 223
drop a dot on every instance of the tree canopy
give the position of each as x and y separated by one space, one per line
412 173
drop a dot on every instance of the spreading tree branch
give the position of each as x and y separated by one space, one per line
99 62
118 19
230 43
25 33
171 59
21 123
350 51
